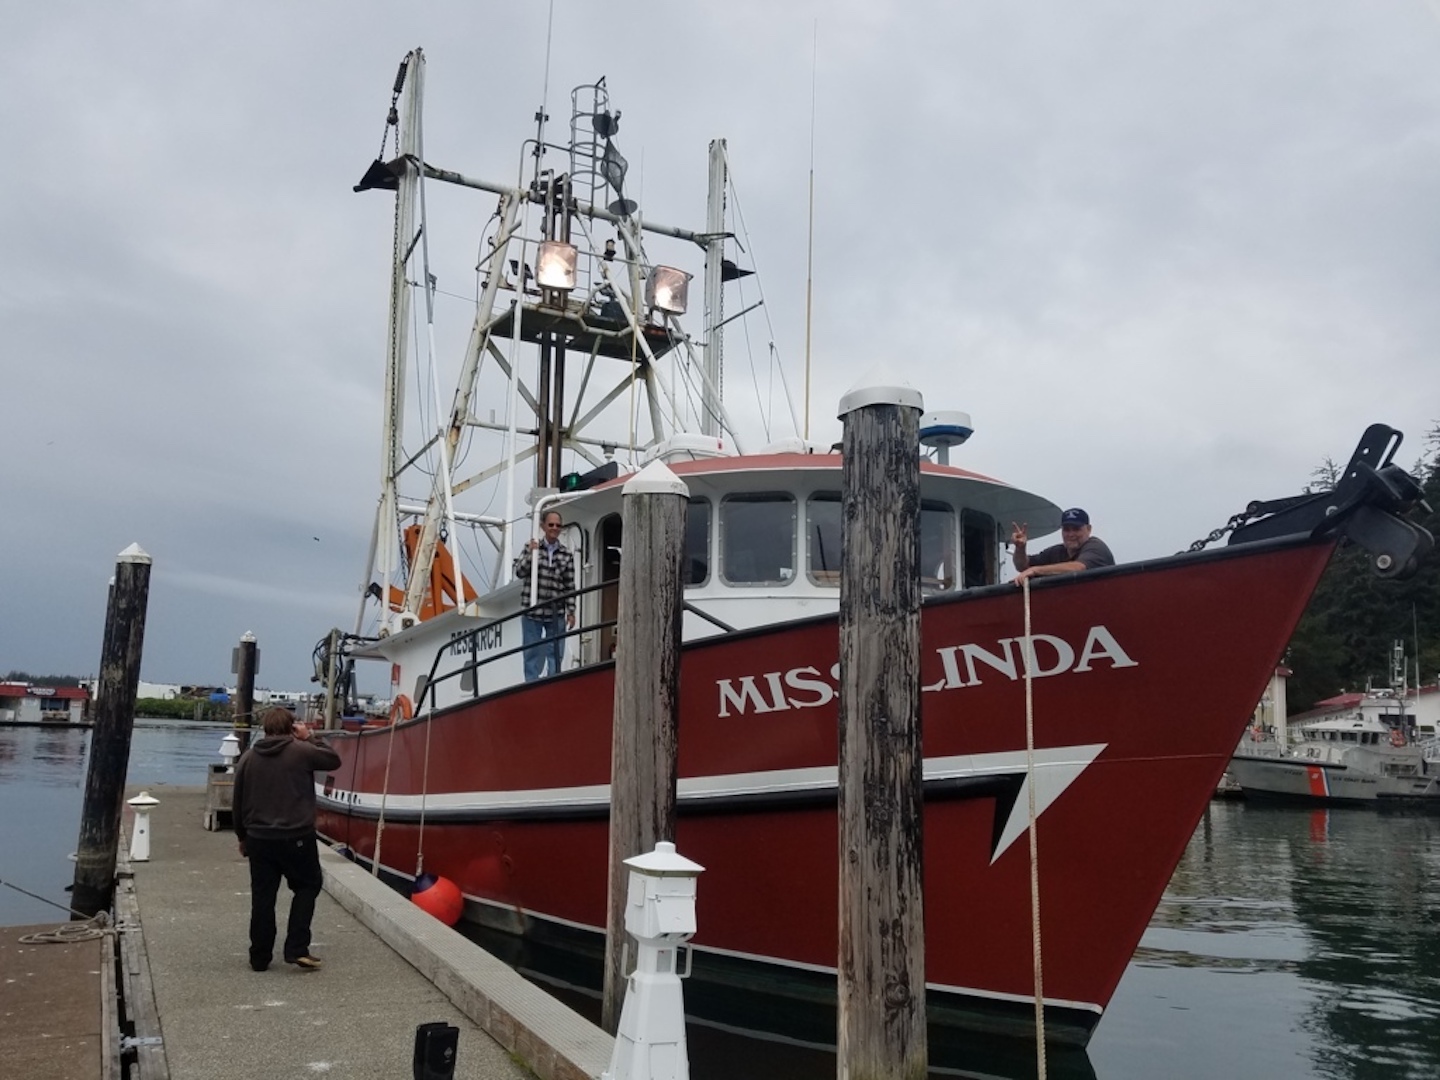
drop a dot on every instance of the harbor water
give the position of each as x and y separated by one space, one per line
1290 943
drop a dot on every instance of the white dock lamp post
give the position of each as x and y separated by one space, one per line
660 915
140 835
229 751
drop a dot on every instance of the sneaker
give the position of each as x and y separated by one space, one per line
306 962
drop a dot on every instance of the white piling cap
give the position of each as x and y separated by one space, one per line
655 479
134 553
880 386
247 637
664 861
143 799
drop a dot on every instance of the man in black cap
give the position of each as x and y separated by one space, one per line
274 815
1077 550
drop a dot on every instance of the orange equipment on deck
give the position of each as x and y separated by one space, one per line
442 580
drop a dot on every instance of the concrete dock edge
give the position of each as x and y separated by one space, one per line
551 1039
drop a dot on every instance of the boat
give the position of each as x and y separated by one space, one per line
1369 753
501 784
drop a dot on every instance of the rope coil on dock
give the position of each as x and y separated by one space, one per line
86 929
89 930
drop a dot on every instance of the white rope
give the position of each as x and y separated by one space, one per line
384 796
424 791
1034 845
96 927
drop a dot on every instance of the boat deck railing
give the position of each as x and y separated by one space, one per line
468 642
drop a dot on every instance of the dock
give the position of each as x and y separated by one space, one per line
198 1011
52 1006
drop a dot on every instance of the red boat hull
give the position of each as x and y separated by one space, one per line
1144 677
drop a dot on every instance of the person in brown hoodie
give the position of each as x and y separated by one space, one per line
274 815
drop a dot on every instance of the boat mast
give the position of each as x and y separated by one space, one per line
387 540
714 389
616 308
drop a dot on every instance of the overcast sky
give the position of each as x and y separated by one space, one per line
1169 257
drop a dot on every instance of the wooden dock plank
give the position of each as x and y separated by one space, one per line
51 1014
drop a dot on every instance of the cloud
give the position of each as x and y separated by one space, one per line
1170 257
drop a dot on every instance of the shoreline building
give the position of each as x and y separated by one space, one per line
21 703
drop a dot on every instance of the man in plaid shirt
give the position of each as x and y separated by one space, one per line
541 629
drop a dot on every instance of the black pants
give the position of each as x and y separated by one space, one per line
298 862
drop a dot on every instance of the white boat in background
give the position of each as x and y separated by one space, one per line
1371 751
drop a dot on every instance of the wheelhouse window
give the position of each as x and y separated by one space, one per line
757 539
697 542
937 547
978 547
822 538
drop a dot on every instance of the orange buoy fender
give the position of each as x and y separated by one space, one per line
401 709
438 896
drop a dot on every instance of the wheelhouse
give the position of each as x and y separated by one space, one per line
762 546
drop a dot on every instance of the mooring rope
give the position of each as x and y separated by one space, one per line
1034 843
384 797
86 929
424 792
89 930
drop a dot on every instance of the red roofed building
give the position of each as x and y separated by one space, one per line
24 704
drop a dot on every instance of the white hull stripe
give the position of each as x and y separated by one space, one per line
1056 768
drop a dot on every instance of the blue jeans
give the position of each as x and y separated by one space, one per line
543 645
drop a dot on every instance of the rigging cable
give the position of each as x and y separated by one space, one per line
443 480
740 218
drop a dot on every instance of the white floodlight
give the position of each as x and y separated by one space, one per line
555 265
668 289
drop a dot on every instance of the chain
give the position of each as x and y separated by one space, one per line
392 120
1234 523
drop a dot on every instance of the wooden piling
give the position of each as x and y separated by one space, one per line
332 682
110 738
647 695
247 663
881 962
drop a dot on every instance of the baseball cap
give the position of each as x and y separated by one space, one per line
1074 516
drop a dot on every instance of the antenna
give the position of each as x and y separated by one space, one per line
810 230
541 117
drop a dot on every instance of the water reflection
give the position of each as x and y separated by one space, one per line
1369 896
42 786
1314 939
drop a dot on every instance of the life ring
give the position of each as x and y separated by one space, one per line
1397 737
1257 733
401 708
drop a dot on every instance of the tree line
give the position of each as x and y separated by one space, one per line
41 680
1345 639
